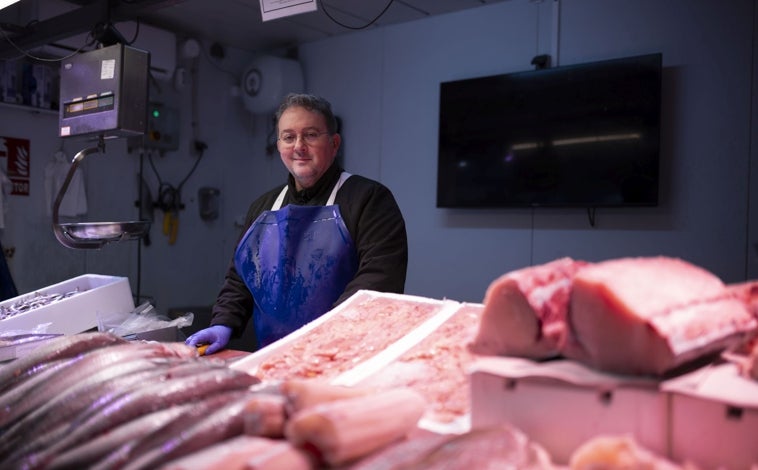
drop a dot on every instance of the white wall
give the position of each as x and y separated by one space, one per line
384 84
707 56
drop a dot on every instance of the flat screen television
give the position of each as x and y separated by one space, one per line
584 135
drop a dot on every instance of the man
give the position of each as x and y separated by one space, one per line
311 244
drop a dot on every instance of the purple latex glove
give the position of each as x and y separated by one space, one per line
216 337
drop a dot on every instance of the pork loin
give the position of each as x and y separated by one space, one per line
648 316
525 311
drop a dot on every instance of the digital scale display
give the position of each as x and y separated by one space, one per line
90 104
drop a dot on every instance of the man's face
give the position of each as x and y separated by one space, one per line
311 150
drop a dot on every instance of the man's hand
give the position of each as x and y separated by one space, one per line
216 337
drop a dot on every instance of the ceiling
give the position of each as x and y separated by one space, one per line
235 23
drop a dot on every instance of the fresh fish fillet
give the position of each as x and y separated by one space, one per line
649 316
403 453
525 311
617 452
495 448
245 453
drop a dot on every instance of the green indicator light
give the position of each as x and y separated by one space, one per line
156 113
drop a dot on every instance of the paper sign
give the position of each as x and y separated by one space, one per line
273 9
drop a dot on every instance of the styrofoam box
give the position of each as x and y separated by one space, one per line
98 294
714 418
251 363
562 404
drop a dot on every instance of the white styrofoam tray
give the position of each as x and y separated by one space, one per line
98 294
562 404
714 418
251 363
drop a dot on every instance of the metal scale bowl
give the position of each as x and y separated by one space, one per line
92 235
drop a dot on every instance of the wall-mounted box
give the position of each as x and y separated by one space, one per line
104 92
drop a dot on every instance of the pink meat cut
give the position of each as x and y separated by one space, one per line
648 316
525 311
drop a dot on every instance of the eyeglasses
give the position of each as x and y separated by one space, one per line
310 137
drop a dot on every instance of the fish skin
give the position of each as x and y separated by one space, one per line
99 385
224 423
89 403
50 423
15 340
140 401
82 368
23 390
87 454
156 438
59 348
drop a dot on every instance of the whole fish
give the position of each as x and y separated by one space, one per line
146 399
90 452
198 412
55 422
36 377
83 369
59 348
15 340
224 423
49 422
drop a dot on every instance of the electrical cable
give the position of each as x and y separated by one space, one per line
89 41
136 34
323 8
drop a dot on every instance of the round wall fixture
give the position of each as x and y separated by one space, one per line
252 81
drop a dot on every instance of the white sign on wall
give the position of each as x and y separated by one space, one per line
273 9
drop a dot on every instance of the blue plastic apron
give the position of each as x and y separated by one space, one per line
296 261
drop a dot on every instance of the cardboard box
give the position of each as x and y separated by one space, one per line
562 404
714 418
75 313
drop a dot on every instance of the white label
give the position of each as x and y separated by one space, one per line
273 9
107 69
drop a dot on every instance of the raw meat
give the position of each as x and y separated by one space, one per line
618 452
748 293
648 316
344 430
525 311
245 453
437 366
494 448
354 335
